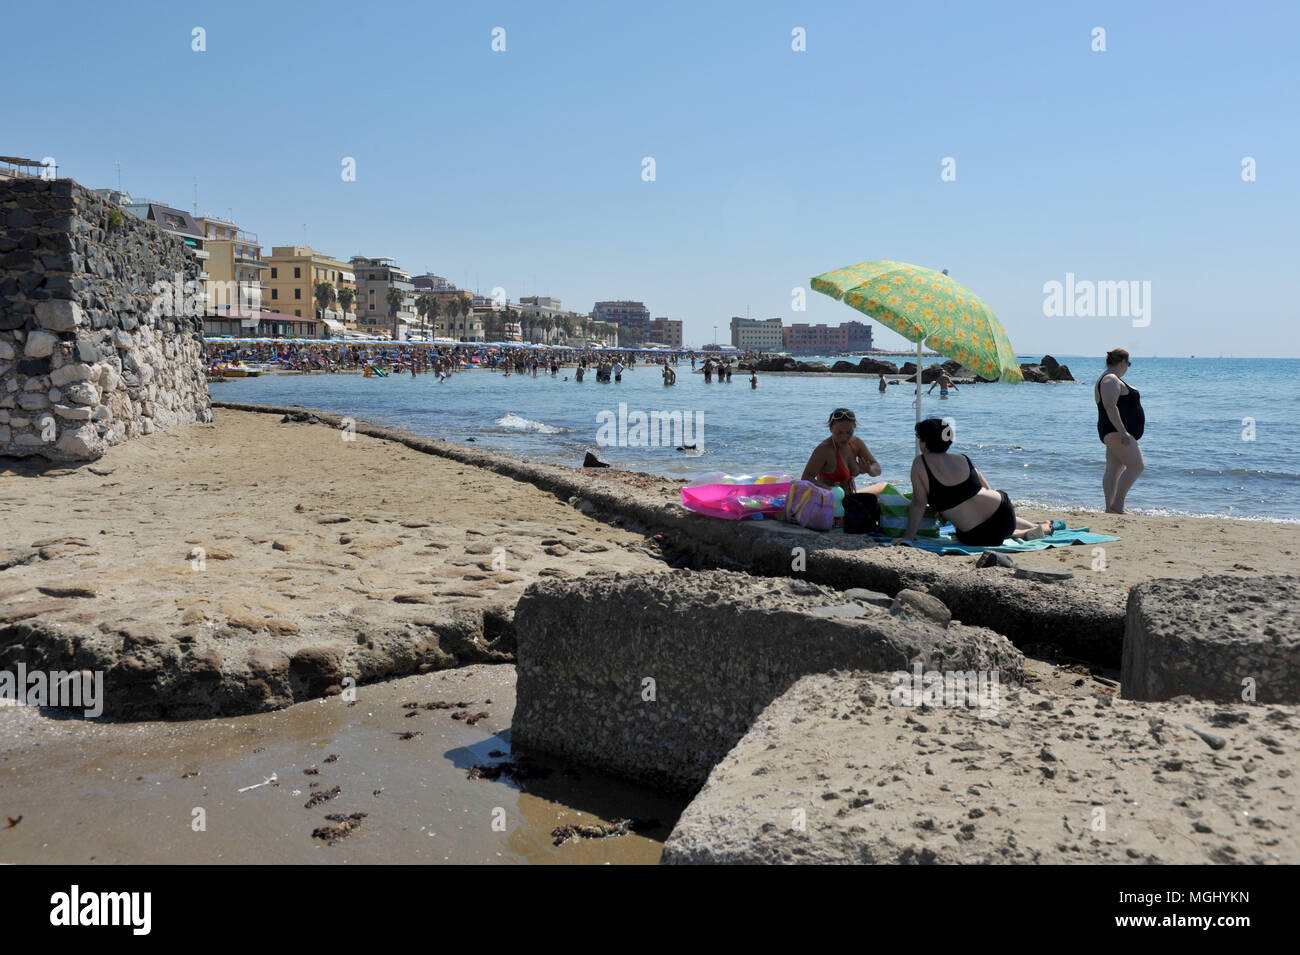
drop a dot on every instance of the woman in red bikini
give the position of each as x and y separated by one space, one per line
841 457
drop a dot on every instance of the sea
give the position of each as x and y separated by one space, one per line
1221 434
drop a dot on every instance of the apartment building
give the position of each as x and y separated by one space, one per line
665 331
375 276
236 269
624 314
757 335
289 286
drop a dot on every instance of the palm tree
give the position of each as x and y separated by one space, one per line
324 298
546 323
460 308
422 309
345 296
394 299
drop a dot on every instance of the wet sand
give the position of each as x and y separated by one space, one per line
96 792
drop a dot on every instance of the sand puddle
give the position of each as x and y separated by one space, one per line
137 792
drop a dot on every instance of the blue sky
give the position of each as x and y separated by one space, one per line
523 168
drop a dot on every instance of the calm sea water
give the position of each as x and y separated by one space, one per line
1038 442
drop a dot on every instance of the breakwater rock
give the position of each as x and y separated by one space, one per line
655 677
91 352
1049 369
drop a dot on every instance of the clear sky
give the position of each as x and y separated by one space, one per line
523 168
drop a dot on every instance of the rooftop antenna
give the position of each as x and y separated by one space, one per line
196 195
118 164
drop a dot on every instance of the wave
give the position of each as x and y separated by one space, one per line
1039 505
1242 472
516 422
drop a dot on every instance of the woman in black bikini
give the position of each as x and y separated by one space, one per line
1120 425
957 490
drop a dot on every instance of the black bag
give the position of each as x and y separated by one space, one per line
861 513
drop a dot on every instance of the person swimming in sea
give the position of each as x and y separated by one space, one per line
753 379
1121 422
944 383
953 486
883 383
841 457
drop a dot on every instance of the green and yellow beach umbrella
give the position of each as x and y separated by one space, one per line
926 307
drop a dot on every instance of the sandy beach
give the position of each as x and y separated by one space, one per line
312 541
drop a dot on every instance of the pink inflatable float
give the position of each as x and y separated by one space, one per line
737 498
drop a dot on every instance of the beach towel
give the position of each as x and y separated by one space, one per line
1060 538
893 515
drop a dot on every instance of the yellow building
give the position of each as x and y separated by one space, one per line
236 270
295 270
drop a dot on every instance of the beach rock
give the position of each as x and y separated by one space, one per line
316 669
1034 373
582 690
1043 576
913 603
874 597
873 366
929 374
591 461
1213 638
815 366
991 558
1055 370
844 367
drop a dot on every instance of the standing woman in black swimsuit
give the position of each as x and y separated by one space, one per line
1120 425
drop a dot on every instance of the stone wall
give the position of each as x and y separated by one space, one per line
90 356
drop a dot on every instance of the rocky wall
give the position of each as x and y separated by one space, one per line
93 350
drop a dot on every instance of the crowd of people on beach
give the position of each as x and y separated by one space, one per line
952 483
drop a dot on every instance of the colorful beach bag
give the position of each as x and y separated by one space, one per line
810 506
893 515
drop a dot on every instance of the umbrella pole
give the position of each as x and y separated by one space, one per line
918 392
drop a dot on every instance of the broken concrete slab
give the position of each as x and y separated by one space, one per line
654 677
1213 638
834 772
